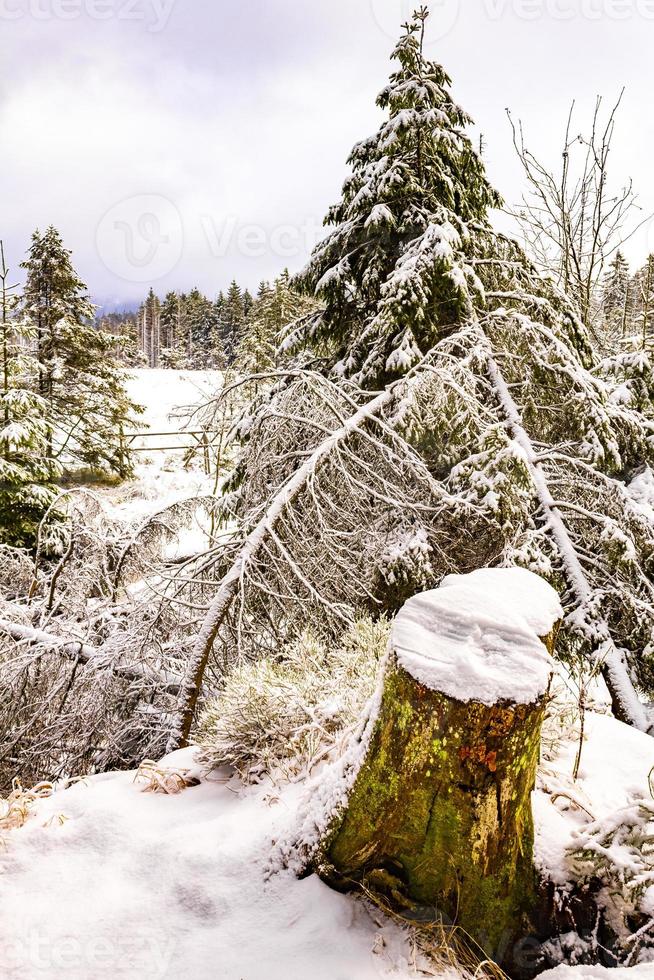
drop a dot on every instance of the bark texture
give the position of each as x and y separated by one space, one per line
439 818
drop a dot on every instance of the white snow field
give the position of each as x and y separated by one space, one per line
108 881
161 478
163 393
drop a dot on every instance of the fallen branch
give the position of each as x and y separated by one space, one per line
77 650
254 543
627 706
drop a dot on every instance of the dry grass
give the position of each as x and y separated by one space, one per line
437 949
16 808
158 779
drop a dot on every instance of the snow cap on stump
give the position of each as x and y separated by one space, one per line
479 636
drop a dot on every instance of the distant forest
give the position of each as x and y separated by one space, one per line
191 331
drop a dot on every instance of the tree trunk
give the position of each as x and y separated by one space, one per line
439 817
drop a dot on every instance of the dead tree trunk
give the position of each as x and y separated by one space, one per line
439 817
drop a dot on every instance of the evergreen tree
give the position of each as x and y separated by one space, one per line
124 327
273 310
248 303
231 320
257 350
204 348
486 391
171 321
386 272
26 469
616 298
149 329
79 380
644 301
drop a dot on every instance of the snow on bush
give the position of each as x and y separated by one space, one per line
595 833
618 851
16 571
286 713
405 559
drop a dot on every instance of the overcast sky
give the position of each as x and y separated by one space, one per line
187 142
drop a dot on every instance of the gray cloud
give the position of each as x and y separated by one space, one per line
213 135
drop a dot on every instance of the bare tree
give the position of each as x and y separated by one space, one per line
572 219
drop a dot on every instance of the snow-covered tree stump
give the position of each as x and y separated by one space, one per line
439 814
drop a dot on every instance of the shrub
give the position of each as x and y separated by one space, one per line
286 713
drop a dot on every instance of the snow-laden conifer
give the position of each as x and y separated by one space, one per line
78 377
26 471
460 419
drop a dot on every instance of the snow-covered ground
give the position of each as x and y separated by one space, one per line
108 881
164 396
616 762
161 477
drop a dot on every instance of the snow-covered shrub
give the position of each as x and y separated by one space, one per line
595 840
618 852
631 378
287 712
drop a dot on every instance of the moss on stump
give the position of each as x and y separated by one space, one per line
439 819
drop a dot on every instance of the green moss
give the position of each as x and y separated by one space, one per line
442 804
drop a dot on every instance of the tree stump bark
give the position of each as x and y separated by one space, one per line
439 817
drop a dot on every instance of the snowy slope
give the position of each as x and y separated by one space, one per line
141 886
615 765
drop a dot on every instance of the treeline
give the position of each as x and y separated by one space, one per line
628 303
193 332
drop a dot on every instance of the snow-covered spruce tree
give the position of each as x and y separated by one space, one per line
616 299
459 422
257 350
83 387
149 329
386 271
644 302
171 321
230 319
26 471
274 308
204 349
